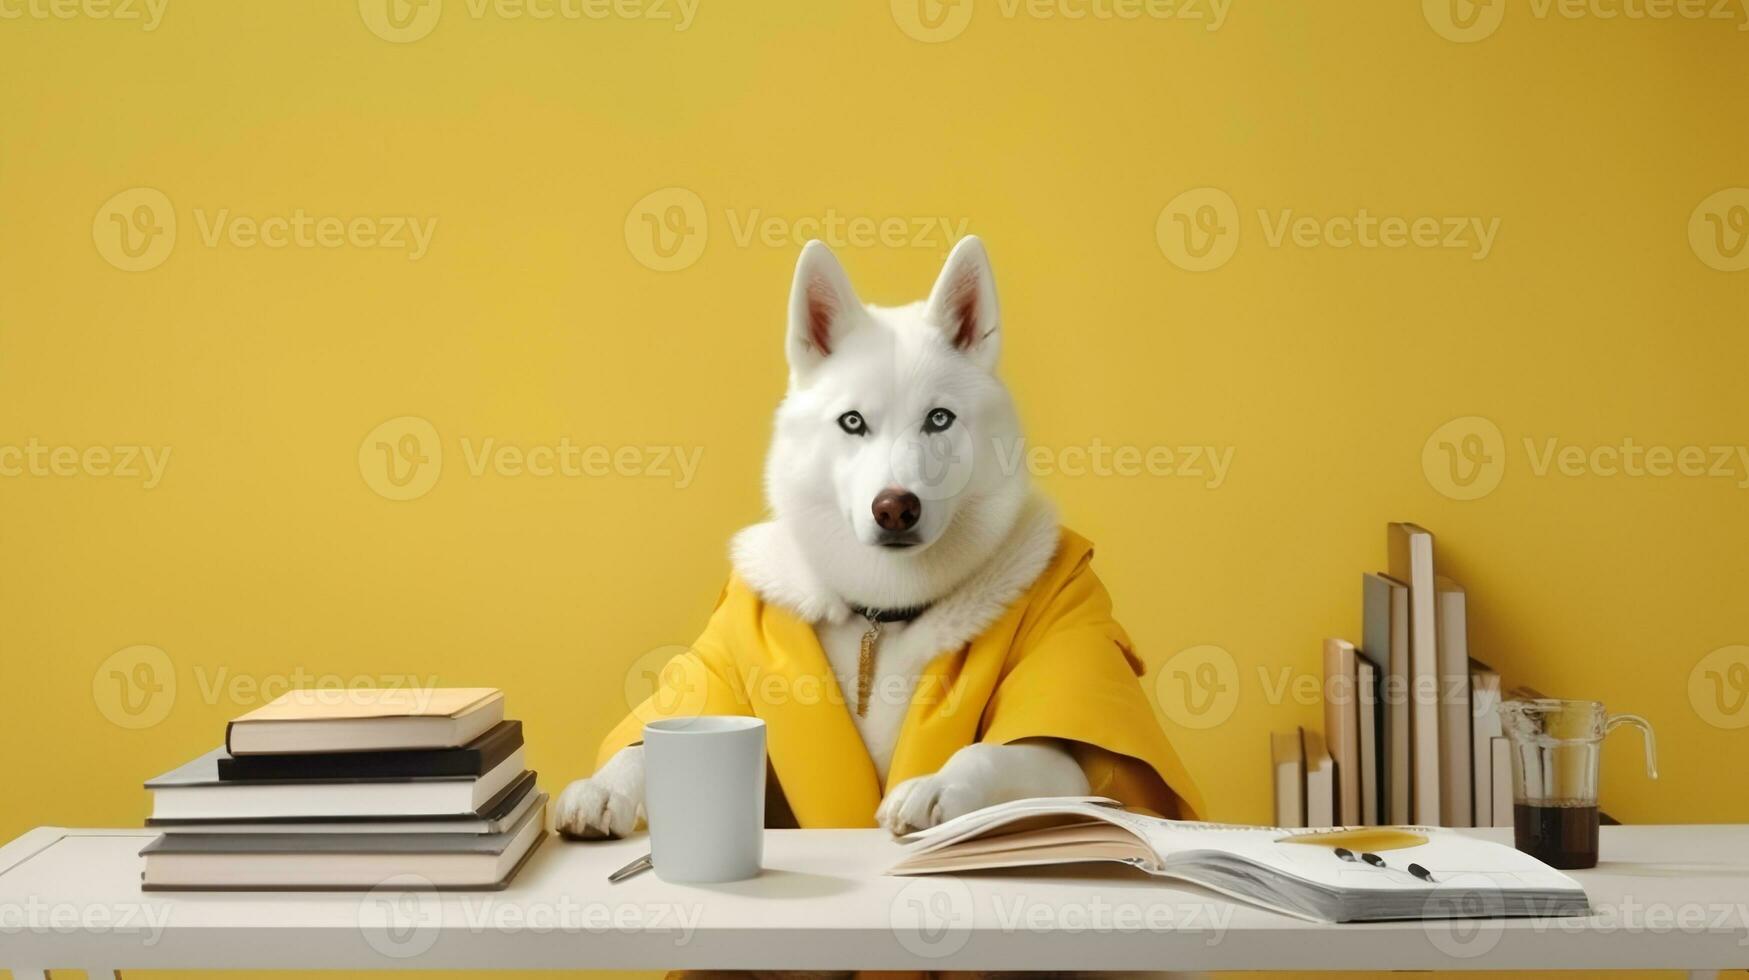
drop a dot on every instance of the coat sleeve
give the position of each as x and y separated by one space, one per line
700 681
1073 675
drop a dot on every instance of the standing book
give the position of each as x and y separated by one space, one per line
1342 725
1369 751
1385 642
1485 726
1320 780
1411 561
1288 765
1501 793
1456 768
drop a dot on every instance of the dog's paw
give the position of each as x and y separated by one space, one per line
590 809
924 801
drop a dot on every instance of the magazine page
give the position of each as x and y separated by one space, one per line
1375 859
1016 816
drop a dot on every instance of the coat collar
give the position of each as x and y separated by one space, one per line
767 558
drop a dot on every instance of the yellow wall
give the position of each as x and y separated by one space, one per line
1590 146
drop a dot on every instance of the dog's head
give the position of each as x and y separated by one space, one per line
896 461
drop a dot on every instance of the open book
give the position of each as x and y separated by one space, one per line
1335 874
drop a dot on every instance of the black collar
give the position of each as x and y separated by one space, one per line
902 615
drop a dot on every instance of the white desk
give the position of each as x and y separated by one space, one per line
1668 897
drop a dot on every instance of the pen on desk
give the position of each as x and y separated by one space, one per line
637 867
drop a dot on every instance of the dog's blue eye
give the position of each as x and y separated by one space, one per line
852 423
938 420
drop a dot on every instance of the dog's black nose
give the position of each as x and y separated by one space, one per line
897 510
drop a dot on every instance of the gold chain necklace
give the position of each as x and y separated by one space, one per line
865 656
865 661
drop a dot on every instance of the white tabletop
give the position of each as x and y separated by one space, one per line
1666 897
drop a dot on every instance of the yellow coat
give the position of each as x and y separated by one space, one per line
1055 664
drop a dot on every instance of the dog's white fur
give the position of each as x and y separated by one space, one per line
980 541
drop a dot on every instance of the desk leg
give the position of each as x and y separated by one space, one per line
19 973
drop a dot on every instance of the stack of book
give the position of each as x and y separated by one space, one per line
343 789
1412 730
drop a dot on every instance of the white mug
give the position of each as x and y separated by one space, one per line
704 797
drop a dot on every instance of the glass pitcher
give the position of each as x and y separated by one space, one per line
1555 746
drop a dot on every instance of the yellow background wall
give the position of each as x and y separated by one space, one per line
546 149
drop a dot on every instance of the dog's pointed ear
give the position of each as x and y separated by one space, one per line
963 303
820 304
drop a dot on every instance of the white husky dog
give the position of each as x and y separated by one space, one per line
894 481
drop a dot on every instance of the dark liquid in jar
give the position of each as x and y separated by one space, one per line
1560 836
